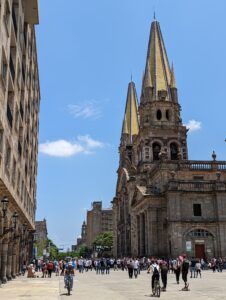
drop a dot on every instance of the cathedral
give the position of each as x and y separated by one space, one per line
165 204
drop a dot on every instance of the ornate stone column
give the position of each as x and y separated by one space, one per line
0 260
9 261
138 235
14 259
146 234
4 260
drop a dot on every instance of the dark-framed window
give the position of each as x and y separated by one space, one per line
174 151
156 150
197 210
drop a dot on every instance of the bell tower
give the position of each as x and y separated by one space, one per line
130 127
162 134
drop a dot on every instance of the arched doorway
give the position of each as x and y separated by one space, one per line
199 243
156 150
173 151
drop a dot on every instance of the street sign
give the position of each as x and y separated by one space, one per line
188 246
44 251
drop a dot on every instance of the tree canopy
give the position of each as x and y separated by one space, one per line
104 241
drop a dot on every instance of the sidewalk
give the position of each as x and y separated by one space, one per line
24 288
116 286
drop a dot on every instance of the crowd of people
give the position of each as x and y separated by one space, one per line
158 268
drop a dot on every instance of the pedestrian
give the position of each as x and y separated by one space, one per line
50 267
154 269
130 268
198 269
192 267
177 268
164 273
184 269
136 267
108 266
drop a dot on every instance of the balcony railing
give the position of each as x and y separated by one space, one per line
14 20
11 66
21 111
23 73
203 165
198 186
19 148
9 116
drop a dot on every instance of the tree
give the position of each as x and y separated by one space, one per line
103 242
53 250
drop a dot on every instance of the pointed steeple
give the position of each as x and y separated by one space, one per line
157 60
173 79
147 81
131 120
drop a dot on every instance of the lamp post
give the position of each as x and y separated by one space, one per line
5 203
14 218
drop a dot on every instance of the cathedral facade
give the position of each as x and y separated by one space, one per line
165 204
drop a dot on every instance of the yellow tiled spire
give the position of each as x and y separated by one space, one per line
158 62
131 119
173 79
147 81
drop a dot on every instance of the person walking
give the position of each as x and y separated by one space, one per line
130 266
164 272
50 268
177 268
154 268
184 269
198 269
135 267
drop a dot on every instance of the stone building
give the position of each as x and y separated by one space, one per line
99 220
41 232
19 112
165 204
81 240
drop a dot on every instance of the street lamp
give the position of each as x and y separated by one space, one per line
14 218
5 203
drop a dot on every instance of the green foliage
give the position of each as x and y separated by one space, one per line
84 251
41 245
52 249
104 241
63 255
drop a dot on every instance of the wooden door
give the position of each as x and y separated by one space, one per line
199 250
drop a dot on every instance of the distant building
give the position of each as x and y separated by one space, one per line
41 230
81 240
99 220
73 247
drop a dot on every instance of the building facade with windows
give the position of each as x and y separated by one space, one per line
99 220
19 126
165 204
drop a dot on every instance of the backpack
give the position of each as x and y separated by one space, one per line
155 272
185 265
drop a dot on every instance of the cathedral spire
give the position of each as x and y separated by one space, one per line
173 79
157 60
131 121
147 81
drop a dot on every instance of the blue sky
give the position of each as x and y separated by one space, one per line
87 52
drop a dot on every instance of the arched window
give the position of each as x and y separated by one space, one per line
200 233
159 114
173 151
156 150
168 114
146 153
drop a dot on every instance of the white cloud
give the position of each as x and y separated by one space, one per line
193 125
62 148
87 110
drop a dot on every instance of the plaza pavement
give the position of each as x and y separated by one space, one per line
116 286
